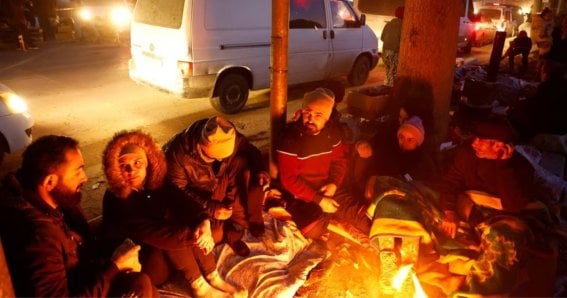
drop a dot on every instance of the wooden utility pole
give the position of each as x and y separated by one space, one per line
426 64
278 70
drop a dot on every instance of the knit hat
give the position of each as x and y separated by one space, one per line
414 126
218 137
321 100
495 128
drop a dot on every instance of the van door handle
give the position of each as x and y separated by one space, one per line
325 34
332 34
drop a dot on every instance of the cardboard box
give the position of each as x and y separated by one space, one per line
367 103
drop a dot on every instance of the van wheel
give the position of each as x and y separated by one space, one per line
360 71
232 93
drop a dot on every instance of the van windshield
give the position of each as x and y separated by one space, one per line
487 15
163 13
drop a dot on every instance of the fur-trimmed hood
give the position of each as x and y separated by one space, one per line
157 166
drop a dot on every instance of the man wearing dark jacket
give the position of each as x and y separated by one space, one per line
312 163
46 236
490 173
215 165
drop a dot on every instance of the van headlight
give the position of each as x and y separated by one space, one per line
121 16
15 104
86 14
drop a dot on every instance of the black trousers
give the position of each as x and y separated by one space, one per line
192 262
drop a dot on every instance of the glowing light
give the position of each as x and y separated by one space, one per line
401 276
121 16
86 14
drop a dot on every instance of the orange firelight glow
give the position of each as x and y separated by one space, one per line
402 276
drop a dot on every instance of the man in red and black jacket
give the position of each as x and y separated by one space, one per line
312 162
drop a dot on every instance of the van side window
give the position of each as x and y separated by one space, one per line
343 16
306 14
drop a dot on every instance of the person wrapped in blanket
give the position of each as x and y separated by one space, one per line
485 223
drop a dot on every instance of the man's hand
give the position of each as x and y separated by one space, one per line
204 237
449 223
125 257
363 149
222 213
329 205
328 190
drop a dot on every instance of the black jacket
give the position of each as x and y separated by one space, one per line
49 251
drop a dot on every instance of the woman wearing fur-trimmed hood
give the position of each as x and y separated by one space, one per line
124 142
138 205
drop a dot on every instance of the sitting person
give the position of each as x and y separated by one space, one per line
404 156
521 45
312 163
491 187
171 229
214 165
47 240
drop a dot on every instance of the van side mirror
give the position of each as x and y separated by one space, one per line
362 19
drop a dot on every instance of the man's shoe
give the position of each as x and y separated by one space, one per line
240 248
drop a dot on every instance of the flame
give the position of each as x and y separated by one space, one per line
402 275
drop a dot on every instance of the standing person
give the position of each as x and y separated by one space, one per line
521 45
214 165
391 36
46 237
312 163
19 22
171 229
46 11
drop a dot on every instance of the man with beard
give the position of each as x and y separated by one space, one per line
46 237
312 162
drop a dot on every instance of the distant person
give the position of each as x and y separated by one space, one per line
47 15
391 36
46 237
558 50
521 45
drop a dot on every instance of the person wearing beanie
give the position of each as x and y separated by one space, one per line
215 166
491 188
489 164
402 155
312 163
138 205
411 134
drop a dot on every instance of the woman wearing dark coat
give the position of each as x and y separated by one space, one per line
138 205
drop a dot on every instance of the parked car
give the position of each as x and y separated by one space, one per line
15 122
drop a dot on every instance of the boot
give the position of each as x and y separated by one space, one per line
200 288
218 282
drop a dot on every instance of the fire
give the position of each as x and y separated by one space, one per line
401 277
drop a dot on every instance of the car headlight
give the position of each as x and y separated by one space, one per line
86 14
121 16
15 104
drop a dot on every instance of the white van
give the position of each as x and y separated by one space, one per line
378 13
221 48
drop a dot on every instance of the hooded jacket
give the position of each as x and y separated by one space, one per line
210 184
157 215
49 251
